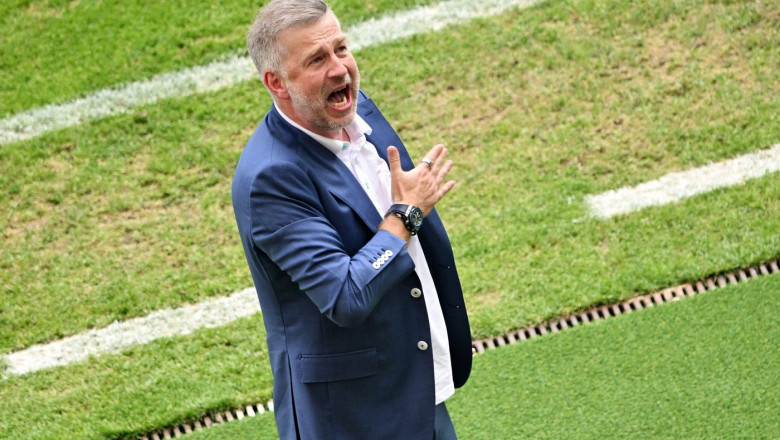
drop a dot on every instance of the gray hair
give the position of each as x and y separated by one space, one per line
273 18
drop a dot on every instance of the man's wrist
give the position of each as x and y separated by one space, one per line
395 226
410 215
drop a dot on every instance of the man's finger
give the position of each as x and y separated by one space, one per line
432 157
434 153
447 187
394 160
445 169
441 155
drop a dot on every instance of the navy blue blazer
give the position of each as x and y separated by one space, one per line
342 326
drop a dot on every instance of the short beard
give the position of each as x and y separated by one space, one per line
312 106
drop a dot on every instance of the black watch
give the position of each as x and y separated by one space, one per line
412 216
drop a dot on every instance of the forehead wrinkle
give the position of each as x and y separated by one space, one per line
310 43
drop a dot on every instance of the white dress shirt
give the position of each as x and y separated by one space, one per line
373 174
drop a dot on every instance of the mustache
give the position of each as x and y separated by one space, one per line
343 81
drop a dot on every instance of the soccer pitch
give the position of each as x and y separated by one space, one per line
684 370
545 108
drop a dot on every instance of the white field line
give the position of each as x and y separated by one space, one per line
222 311
676 186
234 70
120 335
200 79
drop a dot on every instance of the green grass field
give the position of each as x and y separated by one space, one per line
701 368
541 107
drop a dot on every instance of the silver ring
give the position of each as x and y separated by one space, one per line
427 162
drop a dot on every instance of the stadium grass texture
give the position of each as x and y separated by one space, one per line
704 367
57 50
117 218
132 214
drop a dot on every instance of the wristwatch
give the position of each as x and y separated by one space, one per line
412 216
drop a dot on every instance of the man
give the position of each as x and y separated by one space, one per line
366 325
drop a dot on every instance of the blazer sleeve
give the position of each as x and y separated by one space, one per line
289 226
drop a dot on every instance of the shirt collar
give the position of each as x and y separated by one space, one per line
357 131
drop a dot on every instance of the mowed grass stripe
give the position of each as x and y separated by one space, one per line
705 367
683 370
221 74
554 326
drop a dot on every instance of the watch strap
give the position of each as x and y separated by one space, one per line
402 211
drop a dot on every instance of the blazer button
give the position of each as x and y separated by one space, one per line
416 293
422 345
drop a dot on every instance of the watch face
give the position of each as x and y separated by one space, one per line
416 217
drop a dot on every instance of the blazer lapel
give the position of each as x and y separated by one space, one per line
344 186
382 135
338 179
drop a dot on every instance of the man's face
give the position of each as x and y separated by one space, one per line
322 78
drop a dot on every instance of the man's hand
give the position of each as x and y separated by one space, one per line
424 185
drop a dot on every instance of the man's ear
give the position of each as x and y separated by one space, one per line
275 83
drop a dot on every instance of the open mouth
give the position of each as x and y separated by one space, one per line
340 99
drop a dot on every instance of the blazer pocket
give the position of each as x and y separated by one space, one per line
341 366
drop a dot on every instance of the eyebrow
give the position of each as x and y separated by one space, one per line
341 40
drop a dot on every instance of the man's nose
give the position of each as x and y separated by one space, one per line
337 67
